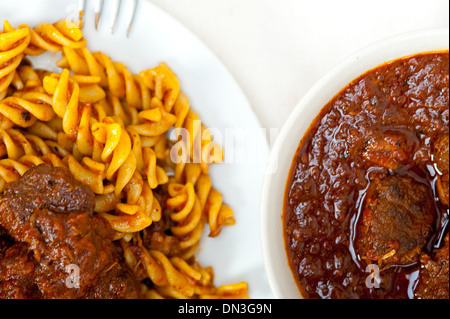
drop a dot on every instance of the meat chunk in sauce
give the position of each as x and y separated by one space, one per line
16 272
5 242
433 278
388 150
50 215
396 221
441 154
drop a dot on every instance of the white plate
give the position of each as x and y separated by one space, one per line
282 154
156 37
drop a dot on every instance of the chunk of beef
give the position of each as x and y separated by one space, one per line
42 187
5 242
115 282
441 154
387 149
396 221
433 279
154 237
52 213
16 273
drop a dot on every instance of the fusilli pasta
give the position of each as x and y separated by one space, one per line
111 128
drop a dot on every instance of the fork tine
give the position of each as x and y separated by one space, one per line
116 14
130 23
98 8
81 11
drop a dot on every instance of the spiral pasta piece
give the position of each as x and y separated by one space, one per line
116 76
231 291
15 143
187 216
13 43
23 111
11 170
27 80
217 213
90 173
164 83
53 37
175 278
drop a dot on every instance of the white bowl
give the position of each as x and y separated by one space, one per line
279 274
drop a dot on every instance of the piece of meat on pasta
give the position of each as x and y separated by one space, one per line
433 277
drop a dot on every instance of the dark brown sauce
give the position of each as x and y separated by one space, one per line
385 123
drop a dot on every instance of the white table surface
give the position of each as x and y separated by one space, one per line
277 49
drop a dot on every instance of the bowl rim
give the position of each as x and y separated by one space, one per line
380 52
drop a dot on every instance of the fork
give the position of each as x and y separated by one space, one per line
98 9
